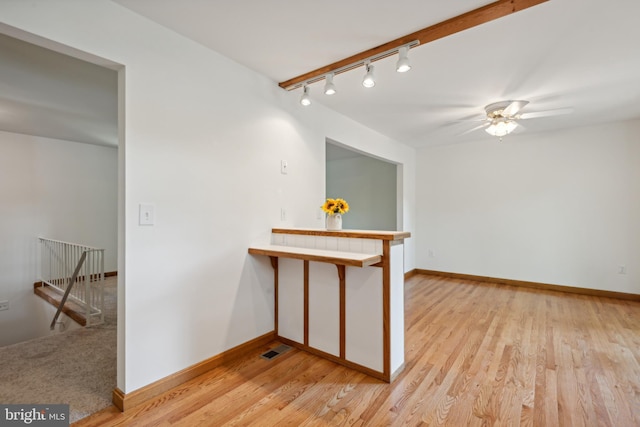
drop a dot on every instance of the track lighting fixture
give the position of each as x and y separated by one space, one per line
329 87
304 99
402 45
465 21
403 65
369 79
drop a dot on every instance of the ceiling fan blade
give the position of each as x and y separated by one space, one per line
483 119
474 129
547 113
513 108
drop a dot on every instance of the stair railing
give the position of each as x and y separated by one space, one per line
77 272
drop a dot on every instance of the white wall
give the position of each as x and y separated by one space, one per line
51 188
203 142
560 208
369 186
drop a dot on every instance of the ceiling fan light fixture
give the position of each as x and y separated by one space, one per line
403 65
369 79
501 127
305 100
329 87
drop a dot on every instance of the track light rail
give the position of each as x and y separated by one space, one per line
353 66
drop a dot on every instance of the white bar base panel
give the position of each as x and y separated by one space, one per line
340 295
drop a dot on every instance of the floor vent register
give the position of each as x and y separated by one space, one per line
275 352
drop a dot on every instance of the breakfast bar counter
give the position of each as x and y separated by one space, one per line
340 295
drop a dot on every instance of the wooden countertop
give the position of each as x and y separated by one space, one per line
360 234
353 259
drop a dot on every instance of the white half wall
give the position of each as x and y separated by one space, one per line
56 189
203 142
560 208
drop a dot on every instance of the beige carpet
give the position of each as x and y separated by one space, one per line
76 367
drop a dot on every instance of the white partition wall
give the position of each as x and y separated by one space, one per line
290 294
397 307
364 317
341 295
324 308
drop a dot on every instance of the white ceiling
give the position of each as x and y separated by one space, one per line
582 54
44 93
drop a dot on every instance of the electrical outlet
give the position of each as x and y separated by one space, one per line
4 305
283 214
284 167
622 269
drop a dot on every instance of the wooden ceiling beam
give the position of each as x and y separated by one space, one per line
446 28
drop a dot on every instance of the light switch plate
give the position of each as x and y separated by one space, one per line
147 215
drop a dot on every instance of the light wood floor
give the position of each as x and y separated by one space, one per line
476 354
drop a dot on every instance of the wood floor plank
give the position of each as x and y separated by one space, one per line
476 354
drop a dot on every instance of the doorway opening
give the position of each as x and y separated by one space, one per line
64 137
369 184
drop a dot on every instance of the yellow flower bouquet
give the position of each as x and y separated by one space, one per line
335 206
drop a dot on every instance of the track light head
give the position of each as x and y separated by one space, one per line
403 65
329 87
369 79
305 99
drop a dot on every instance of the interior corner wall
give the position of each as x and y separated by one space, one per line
203 142
56 189
559 208
369 186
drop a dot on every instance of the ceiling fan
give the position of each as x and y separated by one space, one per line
502 117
